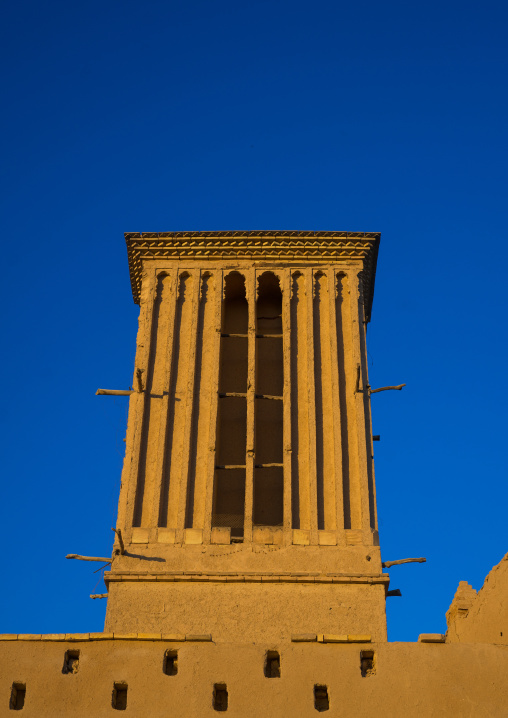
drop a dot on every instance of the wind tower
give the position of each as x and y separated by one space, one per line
247 508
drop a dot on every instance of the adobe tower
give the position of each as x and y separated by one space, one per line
247 506
246 573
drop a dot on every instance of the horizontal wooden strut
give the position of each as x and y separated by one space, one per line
386 388
124 392
387 564
89 558
114 392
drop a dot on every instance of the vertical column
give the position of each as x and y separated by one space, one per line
360 406
205 399
177 406
250 287
136 406
325 409
158 448
362 327
337 408
303 410
154 378
286 344
311 398
187 401
347 388
203 510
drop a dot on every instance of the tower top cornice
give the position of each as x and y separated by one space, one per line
286 246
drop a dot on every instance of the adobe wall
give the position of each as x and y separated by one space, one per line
427 680
483 616
248 612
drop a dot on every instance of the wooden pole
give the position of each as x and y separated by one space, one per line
386 388
387 564
113 392
120 540
89 558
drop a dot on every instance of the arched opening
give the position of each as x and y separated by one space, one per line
268 411
230 447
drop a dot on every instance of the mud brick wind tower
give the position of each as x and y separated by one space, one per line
247 505
246 573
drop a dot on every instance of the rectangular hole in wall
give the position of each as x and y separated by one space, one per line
269 425
231 431
220 697
321 701
268 496
233 364
229 500
119 699
269 366
71 662
18 693
170 664
272 664
367 663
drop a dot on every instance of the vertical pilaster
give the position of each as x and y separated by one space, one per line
303 407
160 447
154 384
285 282
250 290
345 338
325 409
362 326
136 405
180 385
209 461
360 393
206 400
187 401
337 367
311 399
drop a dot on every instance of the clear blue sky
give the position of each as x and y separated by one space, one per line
160 116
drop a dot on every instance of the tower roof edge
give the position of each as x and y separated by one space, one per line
272 245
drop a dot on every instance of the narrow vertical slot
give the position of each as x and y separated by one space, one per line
231 442
268 406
